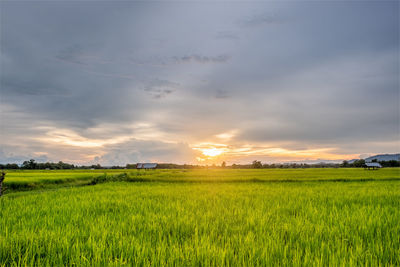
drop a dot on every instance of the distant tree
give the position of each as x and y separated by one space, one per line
116 167
97 166
256 164
131 166
359 163
223 165
345 164
11 166
30 165
390 163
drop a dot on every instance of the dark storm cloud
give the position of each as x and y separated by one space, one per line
260 20
186 59
60 60
201 59
71 54
227 35
31 87
160 88
305 74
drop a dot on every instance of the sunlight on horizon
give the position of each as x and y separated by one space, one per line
202 153
212 152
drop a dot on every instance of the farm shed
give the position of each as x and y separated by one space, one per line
372 165
146 166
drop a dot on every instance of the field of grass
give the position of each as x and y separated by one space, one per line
39 179
18 180
302 217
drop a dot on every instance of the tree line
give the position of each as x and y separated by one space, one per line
256 164
345 164
33 165
360 163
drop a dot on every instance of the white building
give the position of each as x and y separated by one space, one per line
146 166
373 165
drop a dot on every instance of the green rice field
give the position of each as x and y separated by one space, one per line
38 179
268 217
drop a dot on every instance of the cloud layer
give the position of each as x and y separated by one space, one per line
120 82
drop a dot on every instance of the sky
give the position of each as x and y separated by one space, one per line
117 82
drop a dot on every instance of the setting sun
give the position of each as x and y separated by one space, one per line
212 152
211 149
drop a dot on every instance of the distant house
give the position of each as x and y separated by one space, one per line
146 166
372 165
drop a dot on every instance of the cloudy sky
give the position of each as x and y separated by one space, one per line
125 82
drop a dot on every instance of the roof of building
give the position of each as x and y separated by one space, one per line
373 164
146 165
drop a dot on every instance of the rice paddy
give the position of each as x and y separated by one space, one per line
318 217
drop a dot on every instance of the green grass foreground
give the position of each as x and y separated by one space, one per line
327 217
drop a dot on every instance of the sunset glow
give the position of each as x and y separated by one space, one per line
212 152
